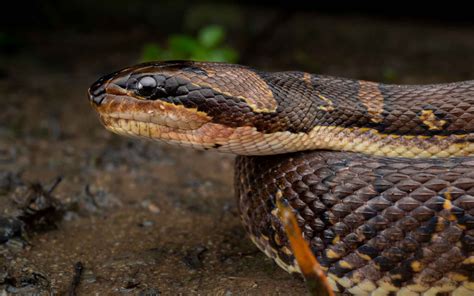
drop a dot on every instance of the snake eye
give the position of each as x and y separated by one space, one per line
146 86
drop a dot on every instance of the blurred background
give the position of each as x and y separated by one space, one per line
84 211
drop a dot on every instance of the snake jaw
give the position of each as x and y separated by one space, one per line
157 113
123 114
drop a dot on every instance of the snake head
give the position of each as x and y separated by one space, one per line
142 96
203 105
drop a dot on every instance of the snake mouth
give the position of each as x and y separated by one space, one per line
195 138
116 104
164 123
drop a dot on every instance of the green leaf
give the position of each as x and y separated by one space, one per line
211 36
182 45
201 54
206 47
389 75
151 52
225 54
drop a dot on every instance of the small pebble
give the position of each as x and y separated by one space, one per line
146 223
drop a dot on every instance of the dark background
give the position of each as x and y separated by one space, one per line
297 32
89 14
145 217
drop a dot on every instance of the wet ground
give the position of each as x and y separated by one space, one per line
134 217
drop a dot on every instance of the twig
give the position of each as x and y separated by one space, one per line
55 184
76 279
316 280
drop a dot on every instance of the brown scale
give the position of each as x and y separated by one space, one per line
367 216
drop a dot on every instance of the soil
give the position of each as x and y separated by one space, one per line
145 218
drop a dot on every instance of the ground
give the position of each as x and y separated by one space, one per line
144 217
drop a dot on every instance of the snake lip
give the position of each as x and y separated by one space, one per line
150 119
121 104
114 89
168 120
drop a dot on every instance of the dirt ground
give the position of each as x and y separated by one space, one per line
145 218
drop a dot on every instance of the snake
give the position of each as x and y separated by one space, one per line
380 176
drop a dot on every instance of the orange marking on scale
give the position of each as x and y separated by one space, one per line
316 280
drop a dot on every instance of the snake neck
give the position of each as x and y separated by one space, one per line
322 112
308 100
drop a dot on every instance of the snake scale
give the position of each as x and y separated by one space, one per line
380 177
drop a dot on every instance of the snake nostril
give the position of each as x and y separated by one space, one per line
97 92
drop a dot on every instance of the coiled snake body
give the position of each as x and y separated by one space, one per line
381 177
